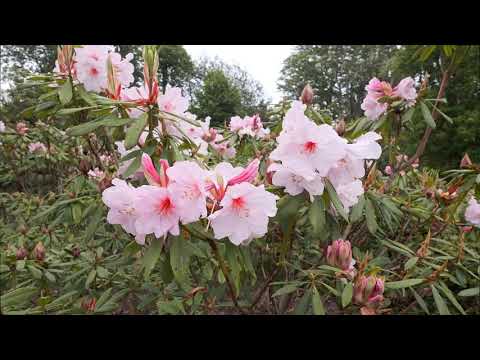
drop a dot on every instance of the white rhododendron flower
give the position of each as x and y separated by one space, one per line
249 125
472 213
244 213
120 198
2 126
308 149
173 101
92 66
349 193
406 90
187 184
124 68
295 184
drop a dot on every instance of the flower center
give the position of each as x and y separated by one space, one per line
164 206
310 147
238 203
93 71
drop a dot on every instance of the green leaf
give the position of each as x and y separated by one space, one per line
91 276
469 292
357 209
441 305
36 273
109 121
427 116
17 296
151 256
347 294
73 110
60 301
287 289
179 260
410 263
420 301
449 119
302 306
96 219
133 167
316 215
451 297
317 304
288 207
408 115
371 217
84 95
135 130
76 213
103 299
337 204
65 92
403 283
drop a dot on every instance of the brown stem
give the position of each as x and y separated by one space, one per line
264 288
231 288
92 148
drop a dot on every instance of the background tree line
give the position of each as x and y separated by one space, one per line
337 73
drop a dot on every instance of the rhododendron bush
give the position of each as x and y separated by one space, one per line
148 209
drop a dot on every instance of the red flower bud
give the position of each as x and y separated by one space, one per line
368 290
21 253
39 252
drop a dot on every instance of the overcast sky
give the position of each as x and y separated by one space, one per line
263 62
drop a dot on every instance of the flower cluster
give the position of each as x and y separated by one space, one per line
90 67
37 147
368 290
310 153
182 194
472 213
378 92
249 125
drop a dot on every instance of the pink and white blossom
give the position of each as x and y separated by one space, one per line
120 198
472 213
349 193
295 184
308 149
244 213
37 147
173 101
123 68
2 126
373 109
91 65
187 182
157 211
406 90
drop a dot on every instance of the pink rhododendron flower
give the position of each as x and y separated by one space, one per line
236 124
187 183
224 148
388 170
225 175
137 94
352 166
37 147
173 101
120 198
406 90
92 66
295 184
373 109
157 211
244 213
249 125
472 213
124 68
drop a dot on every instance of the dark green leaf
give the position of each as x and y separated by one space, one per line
316 215
317 304
441 305
403 283
135 130
65 92
427 116
347 294
371 217
337 204
151 256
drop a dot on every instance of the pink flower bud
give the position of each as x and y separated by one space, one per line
21 253
22 128
151 174
247 175
388 170
39 252
307 95
466 162
368 290
339 255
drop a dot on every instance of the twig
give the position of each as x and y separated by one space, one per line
264 287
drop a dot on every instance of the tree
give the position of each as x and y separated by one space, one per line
449 141
218 98
337 73
252 98
175 66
